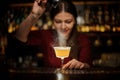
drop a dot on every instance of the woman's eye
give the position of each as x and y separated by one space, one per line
69 21
66 21
57 21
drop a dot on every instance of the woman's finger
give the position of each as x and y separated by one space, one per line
82 66
66 65
41 2
77 66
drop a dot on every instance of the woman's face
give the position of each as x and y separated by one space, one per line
63 23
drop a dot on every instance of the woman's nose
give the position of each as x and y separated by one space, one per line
63 26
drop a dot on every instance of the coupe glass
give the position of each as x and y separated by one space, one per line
62 52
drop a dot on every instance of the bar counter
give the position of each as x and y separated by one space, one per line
57 74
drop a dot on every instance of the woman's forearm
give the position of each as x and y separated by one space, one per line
25 27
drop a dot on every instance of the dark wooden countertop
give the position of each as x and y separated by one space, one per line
57 74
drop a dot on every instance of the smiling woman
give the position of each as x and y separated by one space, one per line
63 16
63 23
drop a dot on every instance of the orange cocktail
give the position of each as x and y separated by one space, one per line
62 52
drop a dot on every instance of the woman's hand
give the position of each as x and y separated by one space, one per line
39 7
75 64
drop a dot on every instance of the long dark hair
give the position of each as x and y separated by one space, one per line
58 7
69 7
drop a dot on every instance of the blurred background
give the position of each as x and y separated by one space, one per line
99 19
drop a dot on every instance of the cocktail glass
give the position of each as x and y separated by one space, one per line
62 52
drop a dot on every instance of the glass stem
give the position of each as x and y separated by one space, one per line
62 62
